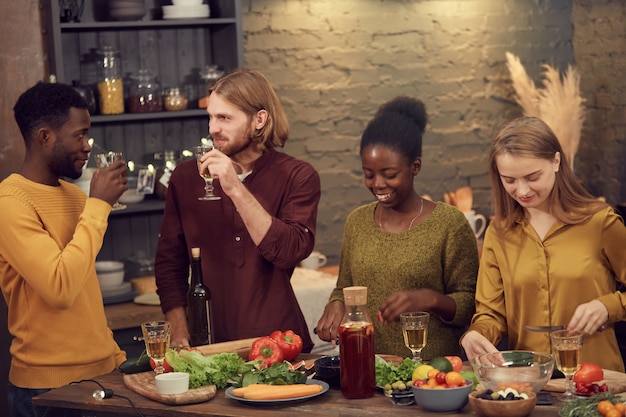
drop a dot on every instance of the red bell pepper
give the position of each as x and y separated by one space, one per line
289 342
267 350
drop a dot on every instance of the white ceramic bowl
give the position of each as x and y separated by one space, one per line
172 383
187 2
110 273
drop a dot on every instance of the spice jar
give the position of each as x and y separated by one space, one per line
145 93
174 99
210 75
110 84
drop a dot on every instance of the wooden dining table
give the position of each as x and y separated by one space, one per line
331 403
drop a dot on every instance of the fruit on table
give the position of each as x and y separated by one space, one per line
508 394
471 376
440 379
441 363
456 362
421 372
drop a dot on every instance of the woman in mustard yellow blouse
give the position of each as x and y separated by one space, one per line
551 256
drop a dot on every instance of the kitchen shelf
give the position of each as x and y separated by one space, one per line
146 206
143 24
176 51
133 117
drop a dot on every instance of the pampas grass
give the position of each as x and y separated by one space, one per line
558 104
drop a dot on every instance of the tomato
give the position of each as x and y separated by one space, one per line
440 378
419 383
456 362
166 366
588 372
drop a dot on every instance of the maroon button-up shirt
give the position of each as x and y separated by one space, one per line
250 285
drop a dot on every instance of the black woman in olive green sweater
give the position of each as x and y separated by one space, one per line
411 253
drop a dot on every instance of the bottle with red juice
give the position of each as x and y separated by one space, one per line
356 346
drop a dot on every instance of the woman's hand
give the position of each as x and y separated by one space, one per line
589 317
416 300
476 344
328 324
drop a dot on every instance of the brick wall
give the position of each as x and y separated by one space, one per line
334 62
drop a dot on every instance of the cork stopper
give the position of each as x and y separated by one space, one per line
195 253
355 296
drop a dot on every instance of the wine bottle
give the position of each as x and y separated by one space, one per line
198 305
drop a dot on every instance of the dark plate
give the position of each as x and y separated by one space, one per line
286 401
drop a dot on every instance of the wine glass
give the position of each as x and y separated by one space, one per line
200 150
103 160
415 331
156 335
566 346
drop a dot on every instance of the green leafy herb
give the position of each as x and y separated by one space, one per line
388 373
586 407
277 374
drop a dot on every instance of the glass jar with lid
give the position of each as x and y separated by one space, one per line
110 84
144 93
174 99
210 74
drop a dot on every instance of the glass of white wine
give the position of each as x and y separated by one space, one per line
200 150
103 160
415 331
156 335
566 346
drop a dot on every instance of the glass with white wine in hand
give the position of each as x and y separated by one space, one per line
566 346
415 331
103 160
200 150
156 335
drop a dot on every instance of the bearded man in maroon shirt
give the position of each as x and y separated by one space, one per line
253 237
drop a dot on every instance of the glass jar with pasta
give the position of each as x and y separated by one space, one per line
110 83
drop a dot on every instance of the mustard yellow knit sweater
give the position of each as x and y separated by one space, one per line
49 239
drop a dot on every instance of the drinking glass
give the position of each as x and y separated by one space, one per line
156 335
103 160
415 331
566 346
200 150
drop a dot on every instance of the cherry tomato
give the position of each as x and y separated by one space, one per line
432 373
419 383
166 366
440 378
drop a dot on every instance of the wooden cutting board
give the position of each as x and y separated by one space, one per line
241 347
616 381
143 384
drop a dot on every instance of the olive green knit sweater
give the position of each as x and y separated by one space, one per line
440 253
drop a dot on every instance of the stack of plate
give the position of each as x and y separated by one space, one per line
186 11
118 294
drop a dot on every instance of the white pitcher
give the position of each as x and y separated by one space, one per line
477 221
314 261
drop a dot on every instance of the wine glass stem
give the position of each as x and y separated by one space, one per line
208 186
569 385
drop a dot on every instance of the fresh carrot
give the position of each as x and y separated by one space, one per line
276 392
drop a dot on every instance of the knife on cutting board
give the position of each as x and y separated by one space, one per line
553 328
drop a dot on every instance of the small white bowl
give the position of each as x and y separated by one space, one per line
186 2
172 383
110 273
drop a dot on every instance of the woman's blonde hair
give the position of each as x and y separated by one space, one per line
251 92
530 137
